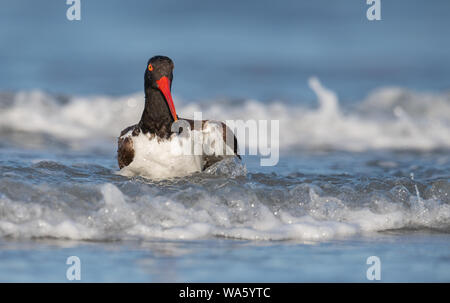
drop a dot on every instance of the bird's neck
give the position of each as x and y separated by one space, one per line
156 117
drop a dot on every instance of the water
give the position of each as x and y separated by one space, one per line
364 148
231 260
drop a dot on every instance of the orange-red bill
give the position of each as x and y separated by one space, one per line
164 87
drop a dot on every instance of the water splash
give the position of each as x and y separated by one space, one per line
389 118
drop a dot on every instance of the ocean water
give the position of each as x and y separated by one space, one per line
364 164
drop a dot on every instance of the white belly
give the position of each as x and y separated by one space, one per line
178 156
163 159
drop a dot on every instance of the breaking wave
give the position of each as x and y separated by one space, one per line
389 118
203 206
49 194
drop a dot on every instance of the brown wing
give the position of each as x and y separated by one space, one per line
125 150
227 133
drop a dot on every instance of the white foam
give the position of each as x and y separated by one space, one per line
389 118
236 215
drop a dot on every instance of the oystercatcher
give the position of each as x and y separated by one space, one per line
162 145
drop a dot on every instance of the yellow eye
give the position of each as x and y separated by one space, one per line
150 67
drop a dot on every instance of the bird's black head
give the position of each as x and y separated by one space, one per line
158 67
158 76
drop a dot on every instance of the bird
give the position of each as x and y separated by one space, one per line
163 145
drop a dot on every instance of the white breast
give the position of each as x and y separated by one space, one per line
180 155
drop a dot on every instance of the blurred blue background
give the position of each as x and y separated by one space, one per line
248 49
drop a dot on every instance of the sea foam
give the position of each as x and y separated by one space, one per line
232 211
389 118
